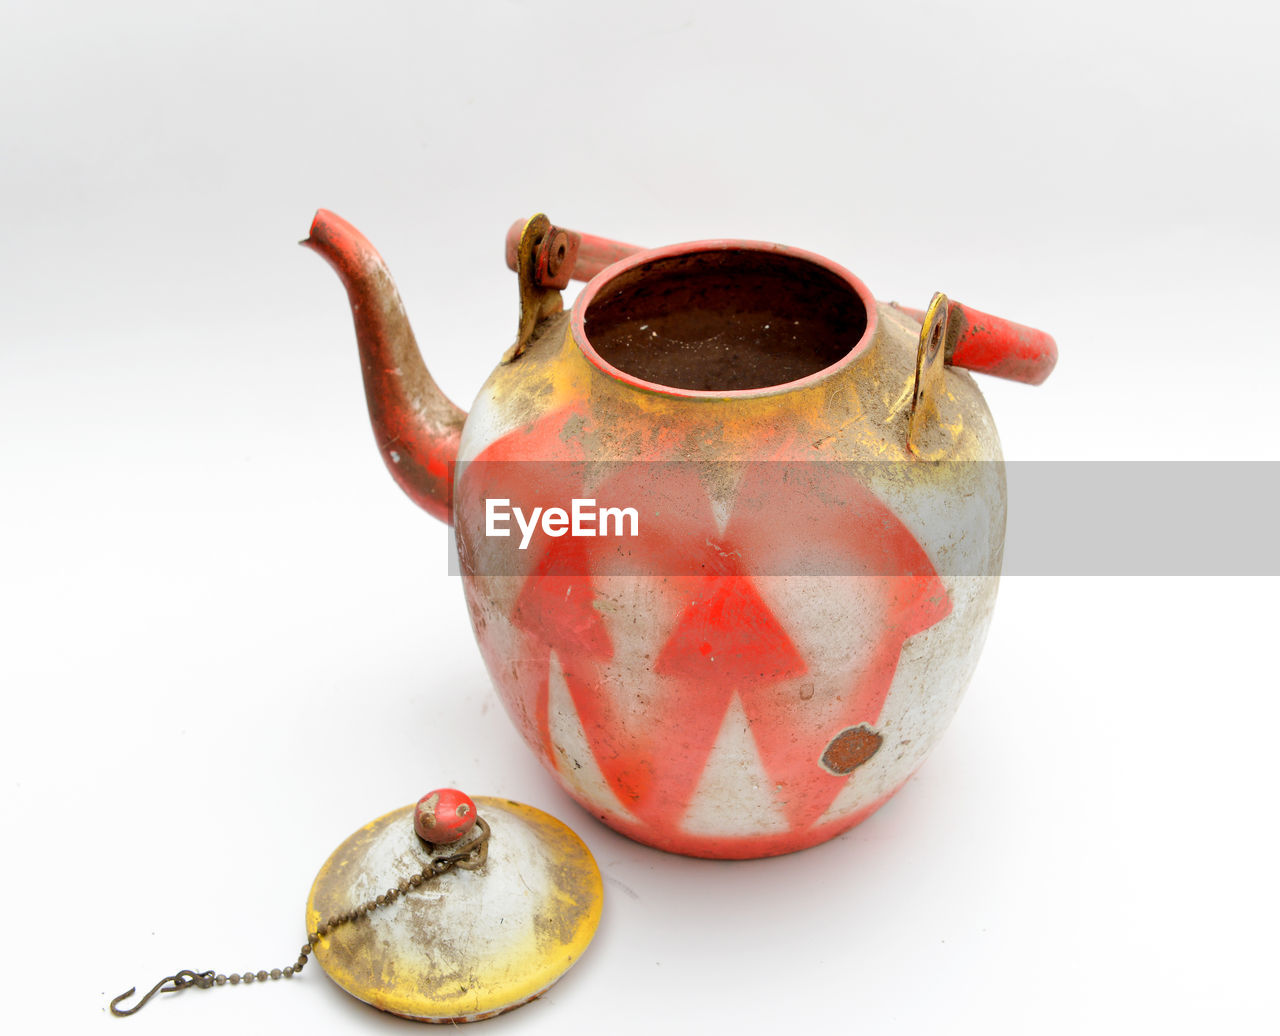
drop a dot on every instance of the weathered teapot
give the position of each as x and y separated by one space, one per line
729 530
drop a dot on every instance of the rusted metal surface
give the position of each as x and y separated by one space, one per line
590 255
850 749
555 258
538 251
471 944
747 693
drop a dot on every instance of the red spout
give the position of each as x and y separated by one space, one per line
415 424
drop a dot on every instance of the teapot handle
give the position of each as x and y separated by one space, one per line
976 341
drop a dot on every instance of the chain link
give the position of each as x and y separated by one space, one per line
470 855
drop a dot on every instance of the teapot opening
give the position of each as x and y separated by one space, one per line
722 317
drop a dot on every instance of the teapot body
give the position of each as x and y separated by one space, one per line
729 531
776 648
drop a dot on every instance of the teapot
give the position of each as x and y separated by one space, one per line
729 529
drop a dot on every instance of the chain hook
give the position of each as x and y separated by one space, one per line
181 980
468 854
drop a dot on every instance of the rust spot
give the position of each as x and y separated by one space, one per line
427 810
850 749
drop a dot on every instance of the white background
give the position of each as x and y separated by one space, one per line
228 641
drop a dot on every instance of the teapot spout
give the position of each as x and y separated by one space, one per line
416 426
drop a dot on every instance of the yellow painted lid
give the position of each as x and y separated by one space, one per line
467 944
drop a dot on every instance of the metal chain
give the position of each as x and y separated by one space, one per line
468 856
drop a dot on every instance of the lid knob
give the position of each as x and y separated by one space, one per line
444 816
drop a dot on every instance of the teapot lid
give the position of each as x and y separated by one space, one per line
473 944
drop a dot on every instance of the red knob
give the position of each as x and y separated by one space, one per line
444 816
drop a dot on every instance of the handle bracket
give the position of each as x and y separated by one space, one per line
545 257
924 436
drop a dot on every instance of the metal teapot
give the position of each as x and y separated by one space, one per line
729 530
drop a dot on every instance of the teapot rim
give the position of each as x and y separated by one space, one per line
593 288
